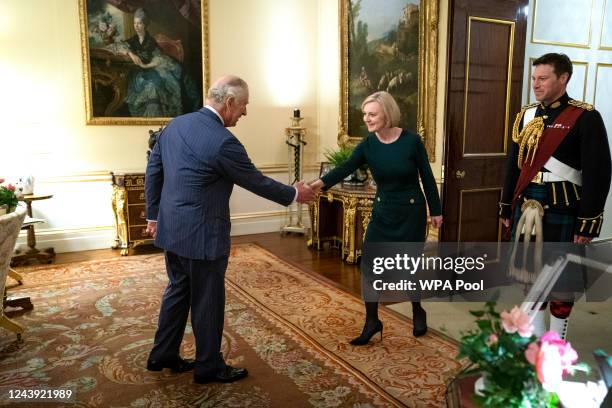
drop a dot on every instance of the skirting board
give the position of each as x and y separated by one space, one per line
84 239
72 240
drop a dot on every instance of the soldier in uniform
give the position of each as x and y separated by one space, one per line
560 163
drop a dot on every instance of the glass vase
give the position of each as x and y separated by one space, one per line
481 384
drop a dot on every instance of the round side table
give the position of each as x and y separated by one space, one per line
33 254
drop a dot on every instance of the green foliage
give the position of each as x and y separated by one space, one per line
511 381
338 157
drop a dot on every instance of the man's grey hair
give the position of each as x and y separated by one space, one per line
235 87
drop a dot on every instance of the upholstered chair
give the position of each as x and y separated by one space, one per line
10 224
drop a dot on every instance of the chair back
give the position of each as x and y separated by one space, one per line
173 48
10 224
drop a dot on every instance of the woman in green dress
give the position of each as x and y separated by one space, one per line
397 158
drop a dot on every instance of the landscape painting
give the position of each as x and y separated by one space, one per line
384 48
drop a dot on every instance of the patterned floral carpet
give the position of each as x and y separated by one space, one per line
93 323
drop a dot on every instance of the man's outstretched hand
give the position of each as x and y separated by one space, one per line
305 193
316 185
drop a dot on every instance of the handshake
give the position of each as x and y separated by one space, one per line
307 191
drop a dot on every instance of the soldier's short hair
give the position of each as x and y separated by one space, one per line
560 62
388 106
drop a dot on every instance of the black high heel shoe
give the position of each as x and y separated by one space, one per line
369 330
419 320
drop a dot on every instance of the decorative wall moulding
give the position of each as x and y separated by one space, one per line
574 16
605 38
603 90
473 24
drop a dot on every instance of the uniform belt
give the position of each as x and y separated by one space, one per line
546 177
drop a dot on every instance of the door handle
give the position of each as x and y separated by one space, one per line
460 174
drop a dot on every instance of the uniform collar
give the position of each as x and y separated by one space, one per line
561 102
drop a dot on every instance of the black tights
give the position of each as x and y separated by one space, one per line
372 309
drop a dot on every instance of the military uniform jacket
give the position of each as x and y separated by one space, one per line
585 149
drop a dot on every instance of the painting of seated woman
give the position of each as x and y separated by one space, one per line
143 64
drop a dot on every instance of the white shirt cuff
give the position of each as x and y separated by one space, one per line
296 194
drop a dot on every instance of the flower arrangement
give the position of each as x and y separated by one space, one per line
8 195
519 370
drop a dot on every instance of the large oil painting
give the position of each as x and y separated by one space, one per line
389 46
144 61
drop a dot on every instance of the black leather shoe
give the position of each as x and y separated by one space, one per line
226 375
419 320
370 328
178 366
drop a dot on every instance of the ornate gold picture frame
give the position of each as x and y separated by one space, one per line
144 62
395 51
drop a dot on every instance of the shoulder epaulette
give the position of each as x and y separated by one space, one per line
518 119
580 104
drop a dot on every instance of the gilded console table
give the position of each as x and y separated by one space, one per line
130 213
340 216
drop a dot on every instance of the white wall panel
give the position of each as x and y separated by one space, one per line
606 26
603 93
562 22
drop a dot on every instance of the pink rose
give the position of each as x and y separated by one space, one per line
10 187
517 320
552 359
567 354
493 339
548 367
1 180
551 337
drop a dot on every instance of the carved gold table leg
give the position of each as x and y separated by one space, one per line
367 214
350 213
12 326
119 208
314 240
15 275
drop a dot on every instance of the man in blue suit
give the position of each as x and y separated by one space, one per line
190 176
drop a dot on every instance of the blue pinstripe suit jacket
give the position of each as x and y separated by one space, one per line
190 176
